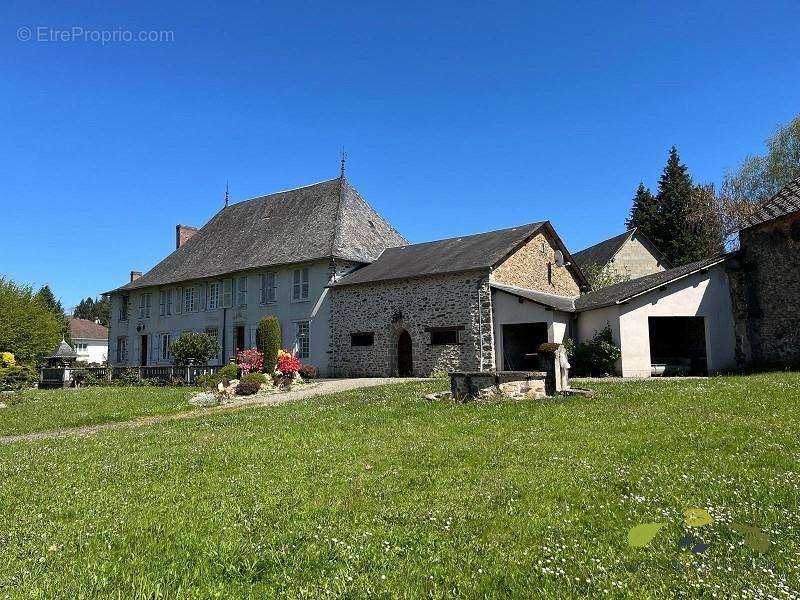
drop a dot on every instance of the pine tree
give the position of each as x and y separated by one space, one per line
93 310
46 295
674 200
644 212
682 219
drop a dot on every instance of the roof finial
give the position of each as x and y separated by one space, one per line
344 160
227 194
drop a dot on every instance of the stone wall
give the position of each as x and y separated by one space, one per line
414 305
635 259
528 268
766 293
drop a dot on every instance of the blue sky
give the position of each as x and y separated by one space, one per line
457 117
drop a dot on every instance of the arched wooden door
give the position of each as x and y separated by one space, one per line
404 356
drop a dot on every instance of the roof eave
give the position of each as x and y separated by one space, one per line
345 283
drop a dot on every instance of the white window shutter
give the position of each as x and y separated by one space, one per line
179 303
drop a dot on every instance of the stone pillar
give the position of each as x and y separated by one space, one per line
549 364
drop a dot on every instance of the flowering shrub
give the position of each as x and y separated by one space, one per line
250 361
8 359
288 365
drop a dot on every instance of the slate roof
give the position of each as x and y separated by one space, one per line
602 253
786 201
563 303
465 253
620 292
322 220
64 350
83 329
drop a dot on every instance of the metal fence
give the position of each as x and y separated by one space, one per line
69 376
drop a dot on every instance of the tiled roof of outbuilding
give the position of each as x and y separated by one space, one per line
84 329
465 253
326 219
786 201
620 292
563 303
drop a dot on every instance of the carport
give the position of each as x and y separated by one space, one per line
523 320
678 346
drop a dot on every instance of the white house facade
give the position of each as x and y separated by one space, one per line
272 255
89 340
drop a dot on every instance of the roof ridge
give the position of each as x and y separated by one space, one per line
626 233
294 189
469 235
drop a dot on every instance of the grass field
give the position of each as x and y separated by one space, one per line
45 410
379 492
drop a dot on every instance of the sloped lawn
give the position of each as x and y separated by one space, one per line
378 492
47 410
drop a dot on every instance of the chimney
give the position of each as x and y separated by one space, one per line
135 275
182 234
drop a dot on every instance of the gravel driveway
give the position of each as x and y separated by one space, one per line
322 387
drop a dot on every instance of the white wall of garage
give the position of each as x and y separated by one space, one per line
507 310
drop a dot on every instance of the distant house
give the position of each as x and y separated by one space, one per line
89 339
630 253
766 284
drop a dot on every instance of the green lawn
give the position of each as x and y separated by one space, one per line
45 410
379 492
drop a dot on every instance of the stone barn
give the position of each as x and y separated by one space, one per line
766 284
431 307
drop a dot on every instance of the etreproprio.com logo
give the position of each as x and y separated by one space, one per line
94 36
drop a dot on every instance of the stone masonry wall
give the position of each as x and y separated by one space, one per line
635 259
527 268
388 308
766 293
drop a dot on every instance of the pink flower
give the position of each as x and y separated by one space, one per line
250 361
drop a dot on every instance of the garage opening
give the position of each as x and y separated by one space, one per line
521 342
678 346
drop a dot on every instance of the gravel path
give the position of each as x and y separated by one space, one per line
319 388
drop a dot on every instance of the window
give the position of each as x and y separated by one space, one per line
445 336
165 343
82 348
213 296
144 306
241 291
366 338
214 333
189 296
123 308
267 288
169 302
300 287
163 302
301 339
122 349
550 273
